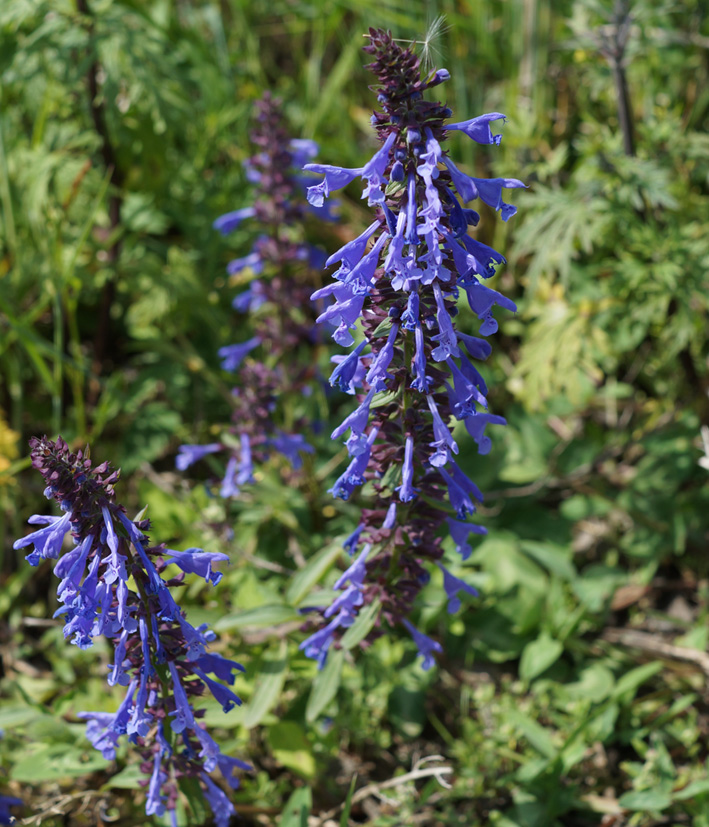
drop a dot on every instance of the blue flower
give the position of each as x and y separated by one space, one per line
187 454
406 490
154 804
233 355
425 645
7 801
47 541
253 261
344 374
460 533
222 808
479 128
453 585
228 222
221 693
291 446
197 561
220 666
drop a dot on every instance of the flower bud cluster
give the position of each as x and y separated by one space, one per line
113 583
284 269
413 373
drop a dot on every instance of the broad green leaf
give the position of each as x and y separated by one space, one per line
297 809
291 748
653 800
127 779
538 656
692 790
50 762
537 736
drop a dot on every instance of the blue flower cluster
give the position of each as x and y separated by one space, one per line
112 584
413 373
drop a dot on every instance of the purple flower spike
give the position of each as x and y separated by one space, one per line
398 282
111 584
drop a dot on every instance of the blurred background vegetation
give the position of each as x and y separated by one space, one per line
574 692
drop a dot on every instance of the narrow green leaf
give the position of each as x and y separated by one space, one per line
325 686
268 686
359 630
631 681
345 817
307 577
260 617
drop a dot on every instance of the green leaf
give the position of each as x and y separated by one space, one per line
127 779
696 788
364 624
291 748
268 686
631 681
538 656
257 618
50 762
307 577
325 685
407 710
537 736
297 809
345 817
386 398
192 791
653 800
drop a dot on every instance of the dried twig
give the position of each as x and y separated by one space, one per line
655 645
376 789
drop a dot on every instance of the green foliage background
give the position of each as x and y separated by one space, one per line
574 691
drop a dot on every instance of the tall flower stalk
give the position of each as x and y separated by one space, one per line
113 583
274 366
412 371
